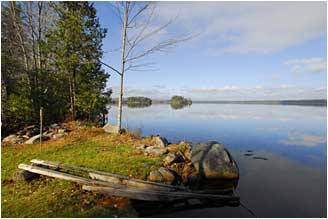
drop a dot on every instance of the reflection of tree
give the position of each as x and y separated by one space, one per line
178 106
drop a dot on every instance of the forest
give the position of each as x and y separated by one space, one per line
50 55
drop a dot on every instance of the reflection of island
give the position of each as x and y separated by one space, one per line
178 102
134 102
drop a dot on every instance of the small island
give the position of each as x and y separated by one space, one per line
139 101
178 102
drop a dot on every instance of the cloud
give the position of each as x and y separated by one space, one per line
214 90
278 92
307 65
244 27
304 139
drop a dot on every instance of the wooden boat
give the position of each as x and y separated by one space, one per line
117 185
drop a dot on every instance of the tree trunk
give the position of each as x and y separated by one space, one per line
119 116
71 96
40 5
74 94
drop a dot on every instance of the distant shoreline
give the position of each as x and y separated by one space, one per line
311 102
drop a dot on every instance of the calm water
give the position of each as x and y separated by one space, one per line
291 183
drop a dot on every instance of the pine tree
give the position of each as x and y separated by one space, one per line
77 42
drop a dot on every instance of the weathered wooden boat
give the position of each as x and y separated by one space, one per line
118 185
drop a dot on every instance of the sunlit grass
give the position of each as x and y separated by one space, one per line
47 197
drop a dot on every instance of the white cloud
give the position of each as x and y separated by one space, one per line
279 92
218 89
243 27
304 139
307 65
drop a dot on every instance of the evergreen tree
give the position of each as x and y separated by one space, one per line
77 42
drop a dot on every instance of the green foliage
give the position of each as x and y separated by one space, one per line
77 42
178 102
138 101
51 68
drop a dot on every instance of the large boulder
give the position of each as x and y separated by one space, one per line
213 161
111 128
36 138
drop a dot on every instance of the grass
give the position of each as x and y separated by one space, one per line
48 197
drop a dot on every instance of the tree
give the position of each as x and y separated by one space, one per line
50 55
136 19
15 84
77 42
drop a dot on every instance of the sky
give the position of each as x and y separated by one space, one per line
238 51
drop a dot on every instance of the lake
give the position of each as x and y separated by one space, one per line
292 182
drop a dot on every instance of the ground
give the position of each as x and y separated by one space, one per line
48 197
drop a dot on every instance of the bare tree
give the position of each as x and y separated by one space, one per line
136 19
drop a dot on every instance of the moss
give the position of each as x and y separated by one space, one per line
48 197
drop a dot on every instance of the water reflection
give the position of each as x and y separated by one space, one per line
304 139
291 182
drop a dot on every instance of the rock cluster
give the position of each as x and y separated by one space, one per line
183 164
31 134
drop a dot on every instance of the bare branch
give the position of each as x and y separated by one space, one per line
118 11
136 39
137 67
111 67
138 13
159 47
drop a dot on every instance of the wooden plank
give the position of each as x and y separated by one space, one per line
152 195
120 177
66 176
130 183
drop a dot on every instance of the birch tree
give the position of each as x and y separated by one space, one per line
139 40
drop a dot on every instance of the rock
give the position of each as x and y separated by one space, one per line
11 138
173 158
111 129
155 176
163 175
213 161
156 150
59 135
24 175
36 138
160 141
169 176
